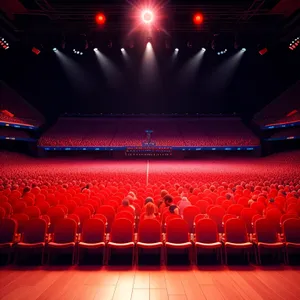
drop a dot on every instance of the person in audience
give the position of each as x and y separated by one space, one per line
126 203
173 209
163 193
150 211
183 204
167 201
150 200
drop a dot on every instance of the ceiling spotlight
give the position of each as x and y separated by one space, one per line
243 49
122 49
95 49
218 53
147 16
54 49
77 52
176 49
81 53
100 19
203 49
198 19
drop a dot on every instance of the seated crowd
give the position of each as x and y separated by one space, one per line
128 214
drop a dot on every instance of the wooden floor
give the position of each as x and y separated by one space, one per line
152 283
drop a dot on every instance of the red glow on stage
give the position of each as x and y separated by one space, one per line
147 16
36 51
198 19
100 19
263 51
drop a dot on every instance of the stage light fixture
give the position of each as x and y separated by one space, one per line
294 44
54 49
243 49
4 44
95 49
81 53
203 49
147 16
122 49
198 19
176 49
100 19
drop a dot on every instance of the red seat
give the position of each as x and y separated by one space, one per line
55 214
19 207
189 213
8 229
207 237
247 215
121 237
7 208
92 237
83 213
291 230
216 213
43 206
235 209
21 220
274 215
124 214
149 236
266 237
202 205
32 212
33 237
236 236
64 237
177 236
109 213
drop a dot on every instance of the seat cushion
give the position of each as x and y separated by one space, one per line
149 245
6 245
179 245
209 245
121 245
33 245
61 245
292 245
91 245
270 245
238 245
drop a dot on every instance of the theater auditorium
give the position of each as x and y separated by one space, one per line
149 150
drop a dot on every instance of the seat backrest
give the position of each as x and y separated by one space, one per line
189 213
93 231
100 217
121 231
200 217
63 207
202 205
32 212
206 231
108 212
7 207
65 231
265 231
21 220
55 214
171 217
128 209
83 213
149 231
291 230
8 229
19 207
259 207
246 216
177 231
2 213
125 215
235 209
43 206
74 217
34 231
235 231
216 213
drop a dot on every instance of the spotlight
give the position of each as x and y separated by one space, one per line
198 19
4 44
203 49
218 53
100 19
95 49
243 49
54 49
176 49
81 53
77 52
36 51
147 16
122 49
294 44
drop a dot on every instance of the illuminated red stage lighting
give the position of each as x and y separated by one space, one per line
100 19
198 19
147 16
